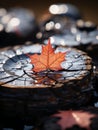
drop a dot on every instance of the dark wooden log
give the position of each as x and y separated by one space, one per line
26 93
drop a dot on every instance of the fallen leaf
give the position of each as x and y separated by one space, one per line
48 59
71 118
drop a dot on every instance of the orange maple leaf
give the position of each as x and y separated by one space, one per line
48 59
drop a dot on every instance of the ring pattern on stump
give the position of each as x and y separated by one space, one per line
16 69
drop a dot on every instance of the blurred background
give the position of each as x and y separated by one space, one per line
88 8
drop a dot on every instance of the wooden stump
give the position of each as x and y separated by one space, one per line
25 93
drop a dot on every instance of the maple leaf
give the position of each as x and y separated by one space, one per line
48 59
71 118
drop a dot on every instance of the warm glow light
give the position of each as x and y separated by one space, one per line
49 25
78 38
80 23
54 9
57 25
58 9
73 30
14 22
62 42
88 23
52 40
39 35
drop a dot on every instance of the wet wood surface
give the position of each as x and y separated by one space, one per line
16 69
